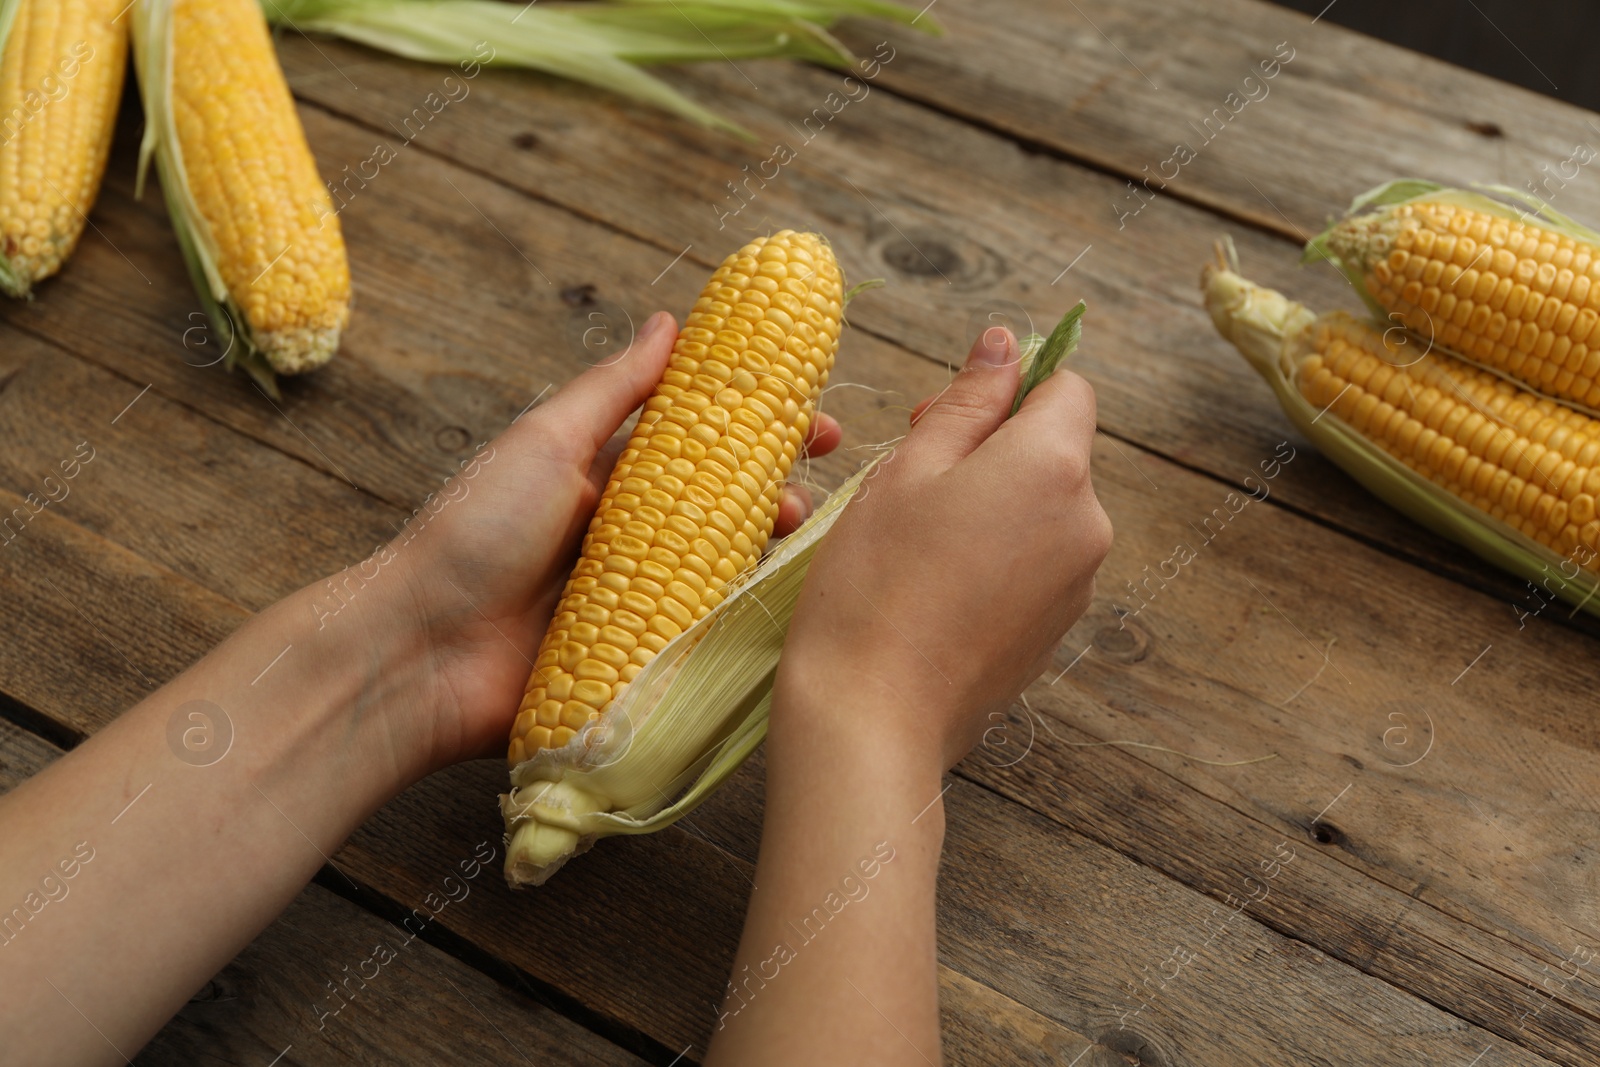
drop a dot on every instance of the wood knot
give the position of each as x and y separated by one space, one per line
1325 833
1127 642
936 256
1485 129
923 256
1130 1047
526 141
452 439
216 991
579 296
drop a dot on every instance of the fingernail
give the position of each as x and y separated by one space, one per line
653 325
993 348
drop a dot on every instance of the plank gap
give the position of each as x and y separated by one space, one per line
1036 147
503 182
39 724
111 367
1332 950
441 937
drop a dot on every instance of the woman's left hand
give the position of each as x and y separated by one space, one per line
483 574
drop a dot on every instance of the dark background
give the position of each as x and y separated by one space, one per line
1545 45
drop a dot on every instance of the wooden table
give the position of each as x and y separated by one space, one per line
1412 879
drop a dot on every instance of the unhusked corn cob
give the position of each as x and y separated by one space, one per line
251 174
693 498
61 75
1508 473
1523 459
1509 294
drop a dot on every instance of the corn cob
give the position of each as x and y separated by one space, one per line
693 497
254 217
61 68
1521 458
694 710
1514 292
1511 474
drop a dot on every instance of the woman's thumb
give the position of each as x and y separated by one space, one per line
973 405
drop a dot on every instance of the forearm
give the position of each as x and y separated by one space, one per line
841 923
203 810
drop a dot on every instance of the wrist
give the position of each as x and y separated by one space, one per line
827 698
857 745
326 690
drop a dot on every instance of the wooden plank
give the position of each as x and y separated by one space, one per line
993 237
1031 911
422 1006
1347 113
596 955
1555 35
249 522
1445 786
92 627
1479 934
444 348
1019 886
61 569
303 987
1303 551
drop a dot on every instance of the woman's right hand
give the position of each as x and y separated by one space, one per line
949 580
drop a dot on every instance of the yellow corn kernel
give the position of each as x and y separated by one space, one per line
252 176
60 84
1501 449
693 497
1503 293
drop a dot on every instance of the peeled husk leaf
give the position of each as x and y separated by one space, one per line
690 718
598 43
152 54
1272 333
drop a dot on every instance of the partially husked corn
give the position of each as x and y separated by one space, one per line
252 176
692 500
1512 295
60 82
1523 459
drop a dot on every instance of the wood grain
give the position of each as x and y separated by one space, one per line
298 990
1194 824
1347 113
1035 914
958 247
1429 902
272 536
91 627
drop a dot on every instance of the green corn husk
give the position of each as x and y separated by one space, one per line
1270 331
152 56
598 43
656 752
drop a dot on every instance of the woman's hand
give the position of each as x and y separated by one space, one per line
951 577
321 709
934 600
483 576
